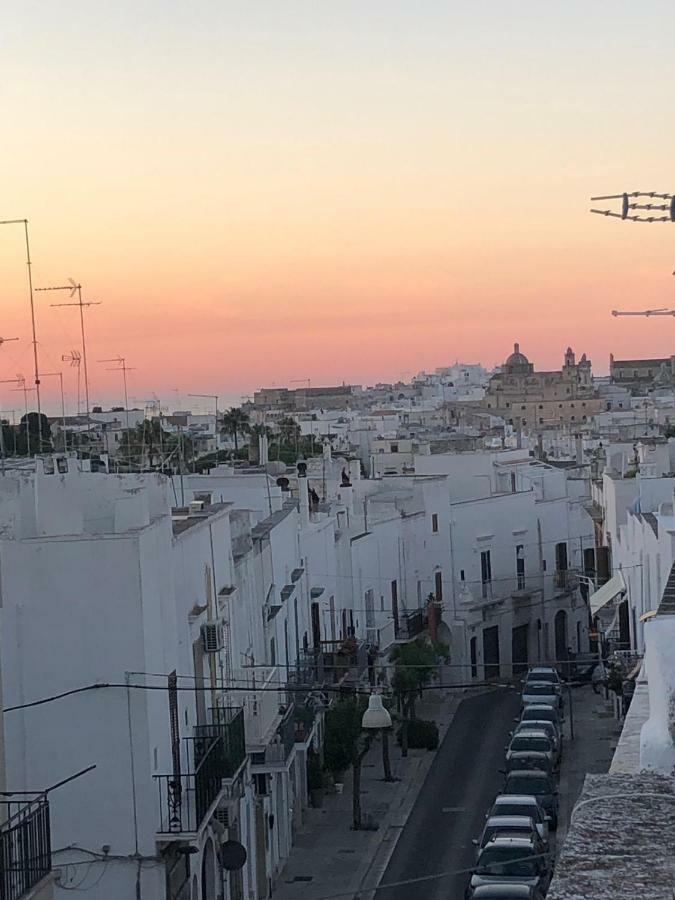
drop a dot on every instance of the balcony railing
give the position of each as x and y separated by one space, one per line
25 846
410 624
566 579
217 751
279 750
344 660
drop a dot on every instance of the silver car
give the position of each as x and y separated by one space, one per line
510 825
539 727
541 692
521 805
511 860
533 741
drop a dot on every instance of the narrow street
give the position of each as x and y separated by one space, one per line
450 809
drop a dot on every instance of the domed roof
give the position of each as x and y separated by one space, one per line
517 358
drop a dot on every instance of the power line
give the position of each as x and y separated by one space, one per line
224 688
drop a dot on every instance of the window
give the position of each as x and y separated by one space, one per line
434 523
273 652
561 556
485 572
520 566
461 575
541 421
474 657
523 421
513 482
393 448
541 406
523 407
438 578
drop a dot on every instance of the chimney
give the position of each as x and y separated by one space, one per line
303 493
263 449
327 452
579 445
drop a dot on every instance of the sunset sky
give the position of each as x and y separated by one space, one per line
259 192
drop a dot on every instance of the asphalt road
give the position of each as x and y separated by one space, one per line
450 809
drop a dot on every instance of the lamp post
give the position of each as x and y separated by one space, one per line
375 718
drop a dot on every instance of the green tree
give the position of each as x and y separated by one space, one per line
346 744
234 423
33 427
415 665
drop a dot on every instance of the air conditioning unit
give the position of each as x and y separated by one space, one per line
212 637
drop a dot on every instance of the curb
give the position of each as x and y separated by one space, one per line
398 817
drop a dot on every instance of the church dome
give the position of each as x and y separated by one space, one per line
517 358
517 362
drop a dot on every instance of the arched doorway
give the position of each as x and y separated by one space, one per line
209 872
560 627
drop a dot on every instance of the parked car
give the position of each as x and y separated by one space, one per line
529 759
541 785
544 712
521 805
534 741
542 692
544 673
510 825
506 860
505 892
549 728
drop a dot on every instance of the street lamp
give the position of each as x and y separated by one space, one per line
376 717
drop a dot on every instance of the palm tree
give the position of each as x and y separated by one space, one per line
235 422
289 431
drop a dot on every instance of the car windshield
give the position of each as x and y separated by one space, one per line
538 690
509 861
546 715
528 784
518 809
550 677
523 742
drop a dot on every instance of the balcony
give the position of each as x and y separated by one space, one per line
25 846
217 752
345 661
411 624
566 580
277 752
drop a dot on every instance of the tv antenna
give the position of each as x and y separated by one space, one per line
4 340
630 208
644 312
74 358
75 288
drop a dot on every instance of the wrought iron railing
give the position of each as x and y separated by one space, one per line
410 624
216 751
25 846
281 745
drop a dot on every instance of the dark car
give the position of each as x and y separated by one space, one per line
511 860
510 826
521 805
505 892
540 785
529 759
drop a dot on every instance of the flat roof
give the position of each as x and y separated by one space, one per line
619 845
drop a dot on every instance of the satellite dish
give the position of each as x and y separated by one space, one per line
233 856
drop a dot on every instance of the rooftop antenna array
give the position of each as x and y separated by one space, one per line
75 288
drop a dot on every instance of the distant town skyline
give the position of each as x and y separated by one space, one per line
264 193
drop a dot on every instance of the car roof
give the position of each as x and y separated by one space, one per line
502 892
523 799
535 753
509 821
543 669
532 723
529 773
512 840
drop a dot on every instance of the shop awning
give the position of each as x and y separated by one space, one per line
615 587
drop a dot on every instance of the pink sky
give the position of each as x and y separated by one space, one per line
335 195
